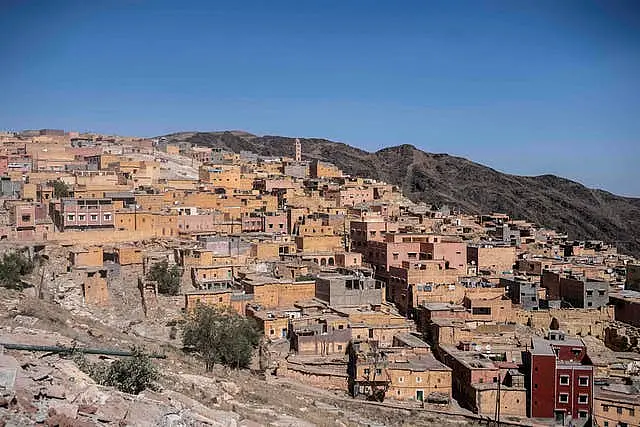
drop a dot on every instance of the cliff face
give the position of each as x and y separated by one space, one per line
548 200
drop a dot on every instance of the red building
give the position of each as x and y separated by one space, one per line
559 378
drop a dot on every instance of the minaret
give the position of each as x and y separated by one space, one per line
298 150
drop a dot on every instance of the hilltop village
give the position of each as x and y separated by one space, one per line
357 290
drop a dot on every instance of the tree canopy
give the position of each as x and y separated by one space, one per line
168 278
220 335
60 189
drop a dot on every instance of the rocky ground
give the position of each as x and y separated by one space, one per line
40 388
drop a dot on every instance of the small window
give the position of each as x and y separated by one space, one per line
606 424
632 412
339 347
400 379
107 217
81 217
605 408
582 414
564 379
590 293
93 217
378 371
589 304
418 379
395 257
583 381
601 292
583 398
619 411
367 371
563 398
71 217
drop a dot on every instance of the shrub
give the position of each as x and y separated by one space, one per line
220 335
13 266
168 278
130 374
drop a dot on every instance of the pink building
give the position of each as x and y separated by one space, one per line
276 223
83 214
369 230
453 252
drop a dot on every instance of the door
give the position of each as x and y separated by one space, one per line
420 395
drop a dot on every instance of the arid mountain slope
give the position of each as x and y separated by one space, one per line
443 179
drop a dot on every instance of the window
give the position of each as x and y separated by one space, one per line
606 424
583 381
26 218
605 408
576 351
632 412
93 217
563 398
271 332
619 411
71 217
107 217
339 347
589 304
583 398
418 379
589 292
82 217
564 379
582 414
601 292
367 371
395 257
400 379
378 371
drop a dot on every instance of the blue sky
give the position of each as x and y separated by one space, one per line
526 87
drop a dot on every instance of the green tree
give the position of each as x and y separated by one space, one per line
13 266
220 335
60 189
168 278
130 374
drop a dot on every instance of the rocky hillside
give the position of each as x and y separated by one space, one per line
443 179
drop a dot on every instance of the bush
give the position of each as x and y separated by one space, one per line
168 278
130 374
221 335
13 266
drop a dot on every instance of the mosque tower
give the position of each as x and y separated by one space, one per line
298 150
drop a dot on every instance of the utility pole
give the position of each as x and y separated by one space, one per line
498 400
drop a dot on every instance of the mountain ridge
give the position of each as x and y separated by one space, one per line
548 200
